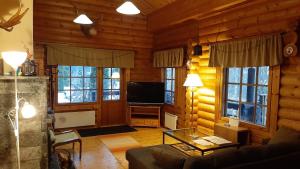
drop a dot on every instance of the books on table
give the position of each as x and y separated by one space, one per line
216 140
203 142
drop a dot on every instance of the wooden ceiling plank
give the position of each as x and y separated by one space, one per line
180 11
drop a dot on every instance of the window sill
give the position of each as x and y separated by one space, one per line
248 125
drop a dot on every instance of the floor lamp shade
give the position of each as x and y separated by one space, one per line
193 80
14 58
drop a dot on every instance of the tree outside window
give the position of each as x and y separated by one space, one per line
111 84
77 84
170 85
246 89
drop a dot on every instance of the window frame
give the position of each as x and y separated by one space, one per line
223 95
173 81
111 84
83 89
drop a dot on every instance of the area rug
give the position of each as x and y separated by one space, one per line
118 144
105 130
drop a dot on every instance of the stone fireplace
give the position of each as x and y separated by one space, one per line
33 132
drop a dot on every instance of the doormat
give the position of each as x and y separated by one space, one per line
105 130
118 145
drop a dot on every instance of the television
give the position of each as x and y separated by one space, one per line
145 92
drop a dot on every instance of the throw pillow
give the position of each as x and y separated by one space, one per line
284 135
167 159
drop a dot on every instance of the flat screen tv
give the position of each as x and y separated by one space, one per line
145 92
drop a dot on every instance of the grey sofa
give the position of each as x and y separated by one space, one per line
282 152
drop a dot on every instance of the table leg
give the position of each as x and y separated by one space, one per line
163 138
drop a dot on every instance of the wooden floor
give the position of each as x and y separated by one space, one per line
96 155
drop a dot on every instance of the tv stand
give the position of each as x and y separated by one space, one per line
144 115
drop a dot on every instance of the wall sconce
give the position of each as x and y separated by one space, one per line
15 59
83 19
128 8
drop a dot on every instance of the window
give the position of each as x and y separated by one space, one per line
246 89
111 84
170 85
77 84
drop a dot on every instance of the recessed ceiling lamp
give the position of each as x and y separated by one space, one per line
128 8
83 19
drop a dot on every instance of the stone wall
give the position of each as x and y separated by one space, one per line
33 135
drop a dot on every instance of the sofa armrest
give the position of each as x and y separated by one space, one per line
265 141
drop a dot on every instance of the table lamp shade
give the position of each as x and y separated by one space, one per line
193 80
14 58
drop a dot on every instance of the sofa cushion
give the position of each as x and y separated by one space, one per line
167 159
142 158
285 134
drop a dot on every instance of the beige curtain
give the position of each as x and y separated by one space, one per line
258 51
66 55
168 58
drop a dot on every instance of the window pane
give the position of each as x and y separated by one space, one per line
173 77
173 85
261 112
263 75
76 96
234 75
90 83
169 73
64 71
115 95
107 72
63 83
76 71
247 112
173 98
232 109
116 70
168 85
233 92
116 84
63 97
248 94
77 83
262 95
106 94
249 75
90 96
106 84
90 71
168 97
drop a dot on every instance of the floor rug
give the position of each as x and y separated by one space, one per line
118 144
105 130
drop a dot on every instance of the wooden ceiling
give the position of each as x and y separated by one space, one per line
149 6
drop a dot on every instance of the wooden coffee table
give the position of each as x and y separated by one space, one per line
185 137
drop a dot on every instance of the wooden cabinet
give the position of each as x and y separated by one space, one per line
144 115
235 134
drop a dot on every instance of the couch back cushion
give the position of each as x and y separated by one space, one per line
284 134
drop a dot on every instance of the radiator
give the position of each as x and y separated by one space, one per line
170 121
74 119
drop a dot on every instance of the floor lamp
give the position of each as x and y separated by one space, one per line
192 81
15 59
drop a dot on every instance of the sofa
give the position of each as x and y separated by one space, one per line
281 152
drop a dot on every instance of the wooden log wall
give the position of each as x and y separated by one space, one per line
53 23
289 100
252 19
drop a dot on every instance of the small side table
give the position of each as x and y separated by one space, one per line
232 133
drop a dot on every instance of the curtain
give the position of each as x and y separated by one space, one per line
258 51
66 55
168 58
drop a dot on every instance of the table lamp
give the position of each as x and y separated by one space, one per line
15 59
192 81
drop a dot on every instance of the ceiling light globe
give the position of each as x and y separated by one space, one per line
28 111
14 58
128 8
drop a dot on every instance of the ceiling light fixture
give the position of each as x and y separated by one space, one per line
128 8
83 19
